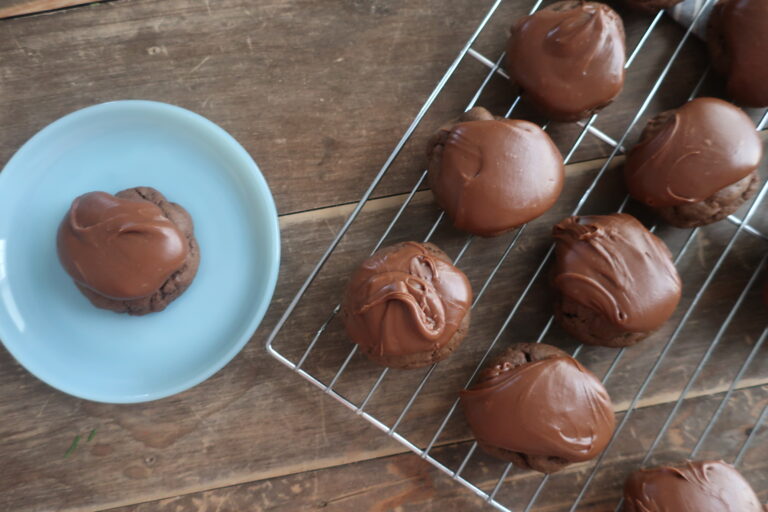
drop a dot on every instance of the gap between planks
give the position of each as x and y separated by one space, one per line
393 201
15 8
381 203
398 450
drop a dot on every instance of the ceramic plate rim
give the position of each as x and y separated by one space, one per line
258 190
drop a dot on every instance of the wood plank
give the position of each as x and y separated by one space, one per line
427 411
317 92
405 482
193 442
11 8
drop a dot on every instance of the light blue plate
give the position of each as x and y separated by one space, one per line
52 329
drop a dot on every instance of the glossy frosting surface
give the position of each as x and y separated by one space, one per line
613 265
405 300
745 35
569 61
552 407
122 249
497 174
700 486
704 146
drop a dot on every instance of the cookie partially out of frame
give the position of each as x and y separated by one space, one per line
737 37
700 486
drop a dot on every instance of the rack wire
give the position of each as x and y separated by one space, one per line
743 228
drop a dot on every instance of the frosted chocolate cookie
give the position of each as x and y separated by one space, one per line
407 306
737 36
568 58
133 252
615 280
538 408
491 174
697 164
696 486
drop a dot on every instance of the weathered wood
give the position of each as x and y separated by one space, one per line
255 420
319 92
502 295
405 482
231 426
11 8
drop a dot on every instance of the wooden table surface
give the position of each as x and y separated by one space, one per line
319 92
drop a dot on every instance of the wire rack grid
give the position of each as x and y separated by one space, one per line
743 227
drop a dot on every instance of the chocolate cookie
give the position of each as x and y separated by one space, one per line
700 486
568 58
538 408
615 280
652 5
737 36
407 306
697 164
491 174
134 252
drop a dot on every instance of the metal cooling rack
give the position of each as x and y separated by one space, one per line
743 228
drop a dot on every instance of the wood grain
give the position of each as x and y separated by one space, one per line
232 428
406 483
11 8
319 93
315 91
501 296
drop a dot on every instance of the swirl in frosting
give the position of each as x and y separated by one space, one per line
552 407
119 248
404 300
613 265
700 148
568 58
696 486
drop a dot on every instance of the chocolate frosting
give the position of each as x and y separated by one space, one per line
121 249
495 175
701 486
569 60
404 300
702 147
552 407
744 32
613 265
